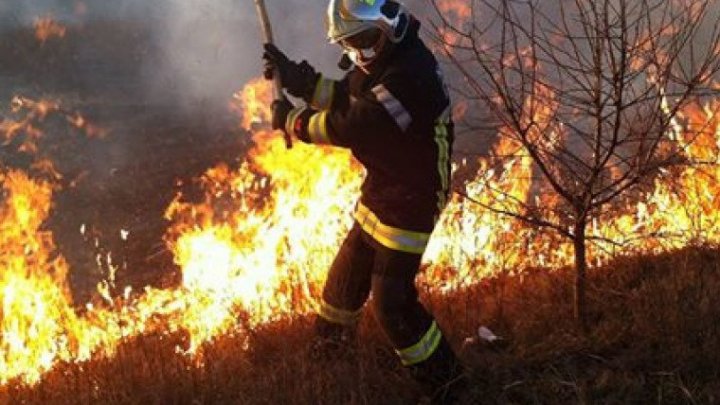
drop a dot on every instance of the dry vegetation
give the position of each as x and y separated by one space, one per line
654 321
655 339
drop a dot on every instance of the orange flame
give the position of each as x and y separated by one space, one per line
258 246
457 13
47 27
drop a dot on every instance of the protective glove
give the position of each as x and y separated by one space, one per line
280 110
299 79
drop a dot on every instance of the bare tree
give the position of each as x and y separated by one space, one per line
591 90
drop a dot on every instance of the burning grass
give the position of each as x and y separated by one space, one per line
655 339
253 251
253 247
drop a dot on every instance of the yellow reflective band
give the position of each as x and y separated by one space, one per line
388 236
337 315
290 120
317 129
423 349
324 94
441 138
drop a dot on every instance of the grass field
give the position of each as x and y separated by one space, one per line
655 321
655 338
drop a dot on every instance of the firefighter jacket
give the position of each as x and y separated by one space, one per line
396 121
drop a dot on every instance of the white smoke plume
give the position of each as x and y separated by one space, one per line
202 50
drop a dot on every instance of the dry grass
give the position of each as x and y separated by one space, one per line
655 339
655 335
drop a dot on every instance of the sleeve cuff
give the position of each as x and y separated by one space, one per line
293 125
317 129
308 125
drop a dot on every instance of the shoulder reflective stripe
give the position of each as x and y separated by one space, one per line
290 120
324 93
441 138
317 129
443 143
393 106
337 315
388 236
423 349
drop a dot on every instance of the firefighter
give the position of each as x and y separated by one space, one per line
392 110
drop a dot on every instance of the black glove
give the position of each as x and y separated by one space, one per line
298 78
280 111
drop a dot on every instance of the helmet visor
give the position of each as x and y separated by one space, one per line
364 47
362 40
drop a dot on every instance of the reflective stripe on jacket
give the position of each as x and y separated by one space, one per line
397 124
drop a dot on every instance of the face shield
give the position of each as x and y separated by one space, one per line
364 47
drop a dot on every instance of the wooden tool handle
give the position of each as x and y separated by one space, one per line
268 37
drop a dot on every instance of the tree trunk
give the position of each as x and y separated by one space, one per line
580 270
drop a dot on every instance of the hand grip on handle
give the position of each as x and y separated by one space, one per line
268 37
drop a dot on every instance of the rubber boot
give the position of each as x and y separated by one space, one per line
441 377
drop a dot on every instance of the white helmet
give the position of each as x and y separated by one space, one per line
346 18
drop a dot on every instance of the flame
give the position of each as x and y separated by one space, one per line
284 213
458 10
251 103
257 247
34 293
47 27
455 13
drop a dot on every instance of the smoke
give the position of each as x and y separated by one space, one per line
202 50
198 52
14 13
211 47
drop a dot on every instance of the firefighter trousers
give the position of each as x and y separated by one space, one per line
363 265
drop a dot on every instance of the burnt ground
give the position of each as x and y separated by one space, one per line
124 181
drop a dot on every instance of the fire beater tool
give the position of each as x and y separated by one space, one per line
268 37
